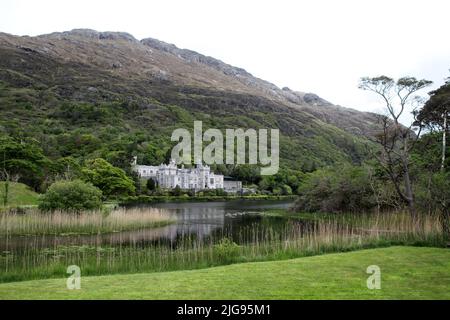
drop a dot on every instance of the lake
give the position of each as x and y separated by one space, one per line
205 221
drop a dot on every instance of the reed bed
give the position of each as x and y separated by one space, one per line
35 222
258 242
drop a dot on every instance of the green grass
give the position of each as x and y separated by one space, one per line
406 273
286 213
19 195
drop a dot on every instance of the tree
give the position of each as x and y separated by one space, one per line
287 190
67 168
151 185
440 194
24 161
177 191
111 180
395 139
435 114
286 179
120 159
247 173
154 153
343 188
71 195
5 176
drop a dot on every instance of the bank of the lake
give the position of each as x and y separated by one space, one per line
138 200
21 197
406 273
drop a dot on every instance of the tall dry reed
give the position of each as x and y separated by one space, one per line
35 222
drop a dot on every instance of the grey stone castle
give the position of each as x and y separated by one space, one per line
168 176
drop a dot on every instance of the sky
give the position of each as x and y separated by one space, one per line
319 46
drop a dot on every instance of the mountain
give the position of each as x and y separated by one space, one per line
85 93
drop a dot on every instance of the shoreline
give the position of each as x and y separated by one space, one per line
137 200
167 199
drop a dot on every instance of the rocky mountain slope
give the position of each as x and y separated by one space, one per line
153 87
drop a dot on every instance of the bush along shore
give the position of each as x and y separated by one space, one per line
259 242
142 199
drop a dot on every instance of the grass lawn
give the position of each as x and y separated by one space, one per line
406 273
18 195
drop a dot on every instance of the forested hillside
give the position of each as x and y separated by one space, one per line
84 94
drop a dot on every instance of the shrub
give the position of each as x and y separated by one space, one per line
151 185
71 195
221 192
177 191
277 191
340 189
287 190
226 249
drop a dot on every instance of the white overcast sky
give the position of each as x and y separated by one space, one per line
315 46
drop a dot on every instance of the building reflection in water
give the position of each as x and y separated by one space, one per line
194 220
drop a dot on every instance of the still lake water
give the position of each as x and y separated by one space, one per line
205 221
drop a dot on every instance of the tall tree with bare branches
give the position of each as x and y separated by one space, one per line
435 114
397 140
